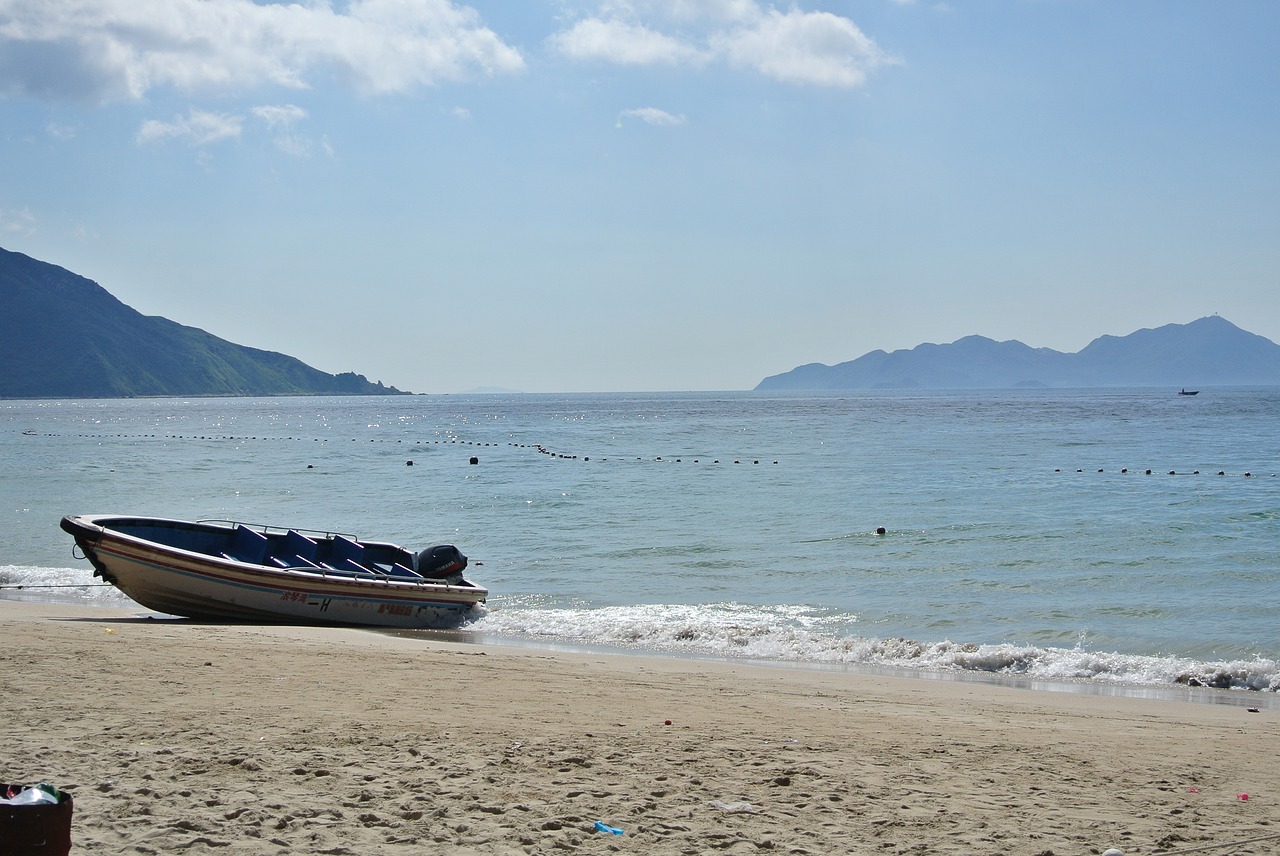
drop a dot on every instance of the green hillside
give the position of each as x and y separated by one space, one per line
64 336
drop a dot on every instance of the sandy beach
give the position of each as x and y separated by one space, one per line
180 737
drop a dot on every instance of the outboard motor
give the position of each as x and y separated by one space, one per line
442 561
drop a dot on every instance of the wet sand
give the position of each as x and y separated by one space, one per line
181 737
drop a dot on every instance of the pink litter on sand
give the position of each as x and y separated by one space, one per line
1242 797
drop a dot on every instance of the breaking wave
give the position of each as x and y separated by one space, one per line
796 635
63 585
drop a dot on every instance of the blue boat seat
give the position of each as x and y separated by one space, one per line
292 562
349 570
345 555
295 550
300 545
345 548
399 570
247 546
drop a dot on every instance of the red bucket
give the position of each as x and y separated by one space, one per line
38 829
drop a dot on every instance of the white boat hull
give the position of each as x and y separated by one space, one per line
192 584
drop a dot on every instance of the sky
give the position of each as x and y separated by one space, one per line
646 195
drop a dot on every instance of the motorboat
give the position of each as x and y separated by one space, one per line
227 570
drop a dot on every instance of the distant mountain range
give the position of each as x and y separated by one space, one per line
64 336
1209 352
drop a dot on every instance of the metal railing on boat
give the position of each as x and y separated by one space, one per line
267 528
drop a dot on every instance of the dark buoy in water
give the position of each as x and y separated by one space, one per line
408 463
474 461
880 530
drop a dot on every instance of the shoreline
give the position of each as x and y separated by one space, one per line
253 739
1172 692
1179 693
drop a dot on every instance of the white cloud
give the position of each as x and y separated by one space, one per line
680 11
803 47
60 132
282 116
652 116
200 128
622 42
197 128
17 222
280 121
102 50
813 48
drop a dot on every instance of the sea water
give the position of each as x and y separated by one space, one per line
1106 537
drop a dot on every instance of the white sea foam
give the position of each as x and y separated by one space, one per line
79 585
797 634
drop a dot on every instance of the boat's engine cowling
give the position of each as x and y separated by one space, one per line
441 561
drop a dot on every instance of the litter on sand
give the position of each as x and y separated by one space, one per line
733 807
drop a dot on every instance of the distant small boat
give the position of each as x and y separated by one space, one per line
1189 392
226 570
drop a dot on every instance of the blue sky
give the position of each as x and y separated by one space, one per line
646 195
